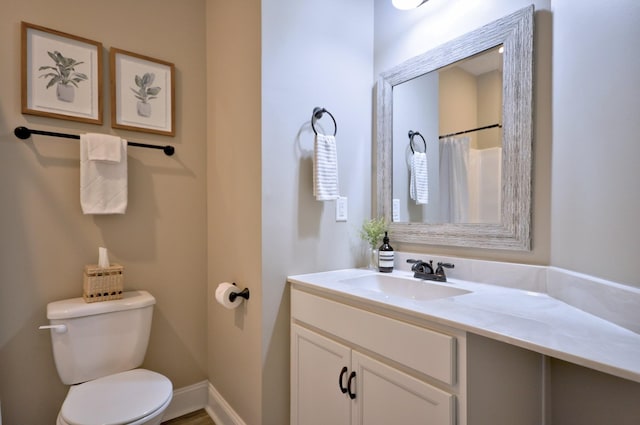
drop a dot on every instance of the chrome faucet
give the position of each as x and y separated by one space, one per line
424 270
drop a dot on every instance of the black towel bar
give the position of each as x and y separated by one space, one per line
24 133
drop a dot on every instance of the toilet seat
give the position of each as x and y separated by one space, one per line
119 399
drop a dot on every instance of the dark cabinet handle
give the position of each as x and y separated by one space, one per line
340 379
352 395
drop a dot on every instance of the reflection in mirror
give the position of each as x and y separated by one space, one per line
460 178
442 94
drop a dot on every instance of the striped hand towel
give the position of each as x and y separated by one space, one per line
419 182
325 168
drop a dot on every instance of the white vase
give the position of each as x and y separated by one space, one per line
65 93
144 109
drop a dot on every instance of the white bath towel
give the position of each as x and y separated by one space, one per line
103 183
419 181
325 168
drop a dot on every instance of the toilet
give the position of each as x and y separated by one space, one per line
97 348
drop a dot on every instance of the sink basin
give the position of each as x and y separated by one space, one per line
404 287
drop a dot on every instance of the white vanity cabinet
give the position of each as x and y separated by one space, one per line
350 366
319 366
361 364
386 395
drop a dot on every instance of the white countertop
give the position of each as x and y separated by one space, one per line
531 320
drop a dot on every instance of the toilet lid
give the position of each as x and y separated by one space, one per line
116 399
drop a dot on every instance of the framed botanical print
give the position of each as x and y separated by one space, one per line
142 93
61 75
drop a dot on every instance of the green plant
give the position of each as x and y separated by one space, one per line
144 93
373 230
64 72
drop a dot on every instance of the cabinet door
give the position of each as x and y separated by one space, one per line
317 365
386 396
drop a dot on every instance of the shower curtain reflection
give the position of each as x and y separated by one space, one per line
485 189
454 186
470 182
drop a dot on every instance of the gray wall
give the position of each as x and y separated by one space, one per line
595 198
314 54
415 108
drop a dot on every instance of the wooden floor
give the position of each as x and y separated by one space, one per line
199 417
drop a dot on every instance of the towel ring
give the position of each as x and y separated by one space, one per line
412 134
317 114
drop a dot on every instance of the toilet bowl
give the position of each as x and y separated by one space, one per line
135 397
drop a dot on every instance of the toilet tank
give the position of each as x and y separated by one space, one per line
101 338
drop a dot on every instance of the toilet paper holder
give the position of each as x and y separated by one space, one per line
242 294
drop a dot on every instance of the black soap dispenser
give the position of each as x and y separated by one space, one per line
385 256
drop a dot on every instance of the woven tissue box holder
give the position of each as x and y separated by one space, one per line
102 284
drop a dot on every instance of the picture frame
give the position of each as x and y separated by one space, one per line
61 75
142 93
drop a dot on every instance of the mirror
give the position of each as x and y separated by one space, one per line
455 116
413 96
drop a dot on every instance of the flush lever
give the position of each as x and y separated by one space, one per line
60 329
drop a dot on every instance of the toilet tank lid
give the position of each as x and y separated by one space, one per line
77 307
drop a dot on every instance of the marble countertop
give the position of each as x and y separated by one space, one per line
527 319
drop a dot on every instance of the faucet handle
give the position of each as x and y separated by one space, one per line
416 263
442 266
420 266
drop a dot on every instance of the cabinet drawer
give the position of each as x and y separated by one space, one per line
424 350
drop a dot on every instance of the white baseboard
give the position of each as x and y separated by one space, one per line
220 411
202 395
187 399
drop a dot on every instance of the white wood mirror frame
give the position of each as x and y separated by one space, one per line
515 32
